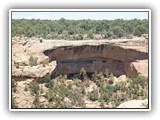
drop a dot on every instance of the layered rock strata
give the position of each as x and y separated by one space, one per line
112 57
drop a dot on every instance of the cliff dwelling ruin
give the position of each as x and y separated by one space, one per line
118 59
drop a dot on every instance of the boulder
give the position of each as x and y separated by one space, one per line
130 70
134 104
141 67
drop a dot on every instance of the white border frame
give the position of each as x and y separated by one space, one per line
81 10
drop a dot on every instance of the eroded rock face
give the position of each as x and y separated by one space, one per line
114 58
100 52
22 49
120 57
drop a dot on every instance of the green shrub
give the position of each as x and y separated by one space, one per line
50 84
94 95
83 74
34 87
118 31
33 61
36 102
59 104
62 91
47 78
138 88
90 35
77 82
76 98
69 85
83 71
40 40
100 75
83 90
112 88
111 79
49 95
139 30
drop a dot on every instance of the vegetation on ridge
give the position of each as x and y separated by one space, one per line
79 29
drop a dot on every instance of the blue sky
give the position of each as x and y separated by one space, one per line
80 15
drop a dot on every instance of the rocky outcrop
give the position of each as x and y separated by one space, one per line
116 59
141 66
129 57
134 104
22 49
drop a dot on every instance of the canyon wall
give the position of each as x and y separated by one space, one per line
120 57
113 58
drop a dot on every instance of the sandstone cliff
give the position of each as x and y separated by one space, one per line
118 57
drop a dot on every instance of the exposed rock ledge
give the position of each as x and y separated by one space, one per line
120 56
115 56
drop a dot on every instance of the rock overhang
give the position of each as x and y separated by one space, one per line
92 52
116 58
